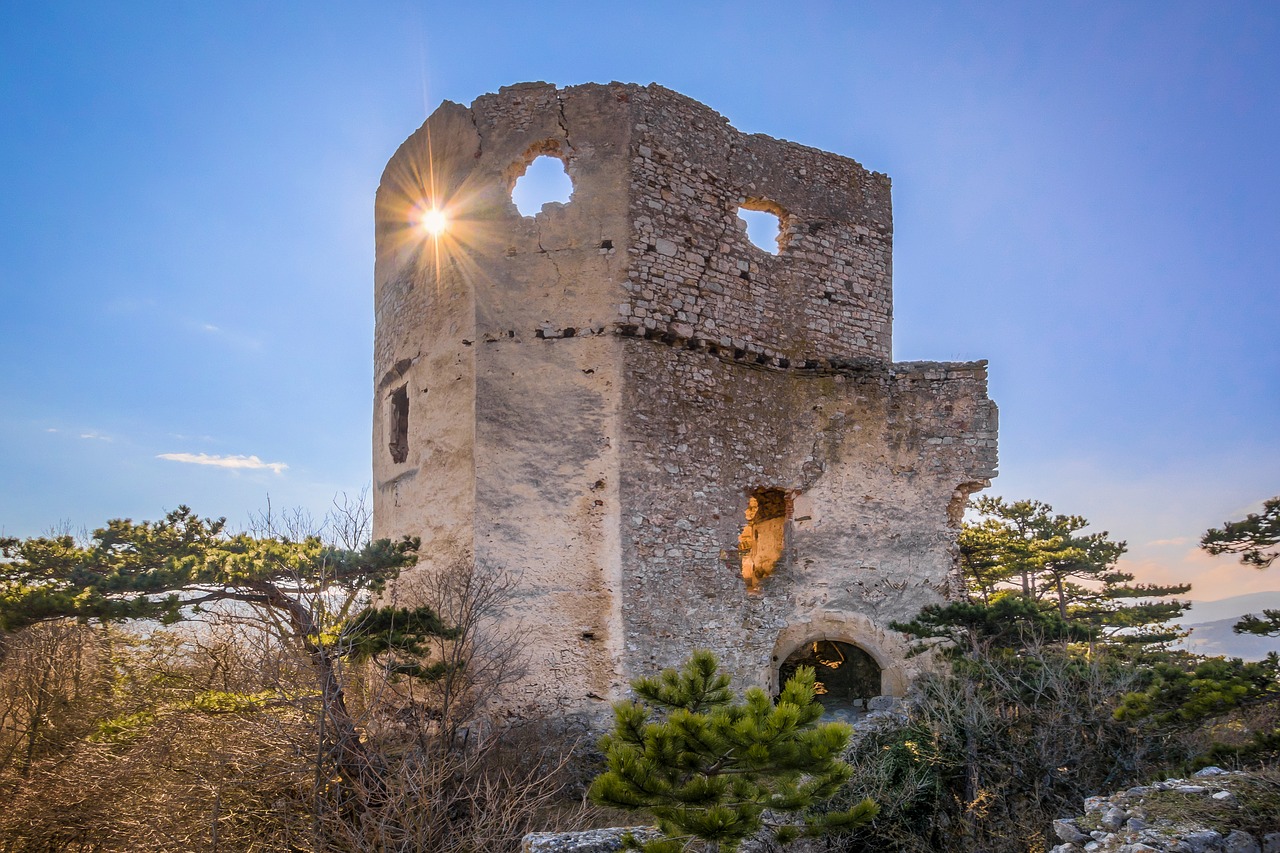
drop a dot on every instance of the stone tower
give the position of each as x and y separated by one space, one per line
678 440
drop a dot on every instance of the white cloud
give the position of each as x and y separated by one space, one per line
248 462
95 435
229 337
1177 540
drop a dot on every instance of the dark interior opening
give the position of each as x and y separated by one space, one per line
846 675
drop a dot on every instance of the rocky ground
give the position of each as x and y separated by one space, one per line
1216 811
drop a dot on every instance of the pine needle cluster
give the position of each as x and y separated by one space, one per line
714 770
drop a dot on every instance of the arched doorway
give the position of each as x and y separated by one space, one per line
846 676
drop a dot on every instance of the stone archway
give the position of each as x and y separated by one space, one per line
846 677
888 650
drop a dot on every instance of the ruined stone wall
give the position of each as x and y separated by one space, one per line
874 460
424 312
694 274
527 370
595 393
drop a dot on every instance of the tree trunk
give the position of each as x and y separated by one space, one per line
354 760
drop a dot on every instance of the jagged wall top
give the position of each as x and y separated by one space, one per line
672 174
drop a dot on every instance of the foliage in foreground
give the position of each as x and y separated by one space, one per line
1061 686
708 767
991 754
308 595
324 725
293 715
111 741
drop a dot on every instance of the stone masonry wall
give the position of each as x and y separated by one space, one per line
875 462
694 274
590 396
504 324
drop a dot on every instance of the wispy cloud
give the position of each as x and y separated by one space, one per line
1178 540
87 433
239 462
229 337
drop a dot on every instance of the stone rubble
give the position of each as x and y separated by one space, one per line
1124 824
609 840
587 841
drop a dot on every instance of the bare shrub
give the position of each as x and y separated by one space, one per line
457 780
484 797
52 681
208 739
482 658
240 729
180 751
992 754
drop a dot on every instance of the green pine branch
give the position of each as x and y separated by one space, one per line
708 767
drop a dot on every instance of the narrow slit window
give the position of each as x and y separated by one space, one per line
398 424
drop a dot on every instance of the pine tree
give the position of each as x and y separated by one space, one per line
1008 623
1256 538
308 595
1024 547
711 769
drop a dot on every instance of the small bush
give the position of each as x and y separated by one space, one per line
992 754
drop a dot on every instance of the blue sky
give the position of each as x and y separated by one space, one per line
1087 194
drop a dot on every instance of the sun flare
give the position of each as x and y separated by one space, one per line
433 221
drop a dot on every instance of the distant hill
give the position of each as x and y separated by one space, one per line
1234 607
1211 622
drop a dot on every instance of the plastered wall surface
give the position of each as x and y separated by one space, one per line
592 395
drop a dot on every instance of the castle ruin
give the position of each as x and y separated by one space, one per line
677 439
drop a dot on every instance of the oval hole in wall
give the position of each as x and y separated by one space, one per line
545 181
763 229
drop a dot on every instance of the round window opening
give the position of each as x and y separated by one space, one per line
846 676
545 181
